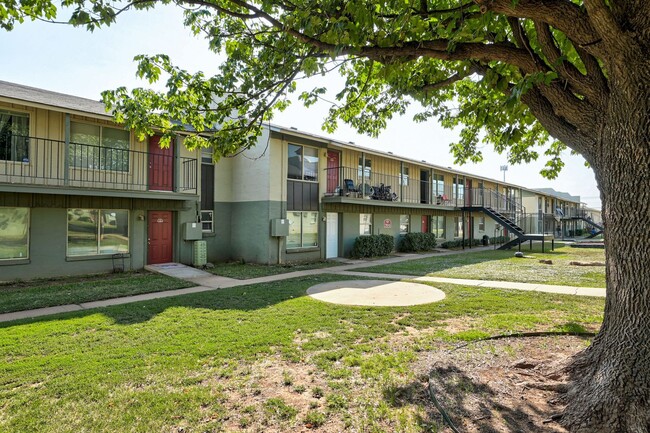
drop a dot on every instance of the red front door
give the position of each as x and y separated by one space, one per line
425 224
160 242
333 166
161 165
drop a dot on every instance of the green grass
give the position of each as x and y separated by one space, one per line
503 266
214 361
26 295
245 271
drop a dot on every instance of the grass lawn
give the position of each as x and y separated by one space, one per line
26 295
253 358
245 271
503 266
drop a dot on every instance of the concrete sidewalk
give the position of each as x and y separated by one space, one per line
206 282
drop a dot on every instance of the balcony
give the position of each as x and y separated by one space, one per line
41 162
347 184
351 184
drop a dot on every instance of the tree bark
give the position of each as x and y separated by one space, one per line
610 390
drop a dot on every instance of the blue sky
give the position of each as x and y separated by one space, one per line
74 61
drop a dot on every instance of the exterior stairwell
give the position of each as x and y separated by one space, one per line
509 225
598 227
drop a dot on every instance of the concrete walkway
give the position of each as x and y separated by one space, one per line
206 282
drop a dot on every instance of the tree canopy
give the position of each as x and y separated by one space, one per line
508 72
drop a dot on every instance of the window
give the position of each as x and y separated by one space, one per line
404 223
207 221
364 170
404 176
94 231
303 229
481 224
303 163
365 224
438 226
14 233
14 136
459 188
99 147
458 227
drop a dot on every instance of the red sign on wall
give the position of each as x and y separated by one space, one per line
388 223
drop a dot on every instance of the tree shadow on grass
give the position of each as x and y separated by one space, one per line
470 404
243 298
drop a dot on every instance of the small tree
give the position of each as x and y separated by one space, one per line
528 76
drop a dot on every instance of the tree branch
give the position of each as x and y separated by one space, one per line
558 127
605 24
561 14
582 84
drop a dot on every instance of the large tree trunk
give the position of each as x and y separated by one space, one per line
611 379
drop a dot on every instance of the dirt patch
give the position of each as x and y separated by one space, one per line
508 385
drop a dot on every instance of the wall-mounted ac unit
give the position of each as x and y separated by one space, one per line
200 254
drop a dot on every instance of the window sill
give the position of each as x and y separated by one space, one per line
96 257
11 262
302 250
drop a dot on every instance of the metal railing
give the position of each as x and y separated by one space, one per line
363 184
57 163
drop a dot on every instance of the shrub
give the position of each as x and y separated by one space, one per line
414 242
578 232
459 243
372 246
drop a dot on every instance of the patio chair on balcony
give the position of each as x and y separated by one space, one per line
349 187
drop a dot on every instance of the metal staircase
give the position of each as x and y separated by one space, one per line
599 229
505 211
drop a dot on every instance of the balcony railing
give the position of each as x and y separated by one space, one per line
355 183
57 163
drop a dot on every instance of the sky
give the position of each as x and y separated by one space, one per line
71 60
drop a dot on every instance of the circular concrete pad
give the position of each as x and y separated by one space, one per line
378 293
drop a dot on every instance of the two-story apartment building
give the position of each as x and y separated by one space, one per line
79 194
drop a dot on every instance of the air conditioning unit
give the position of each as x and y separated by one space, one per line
200 254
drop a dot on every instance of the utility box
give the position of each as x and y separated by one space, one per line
192 231
280 227
199 254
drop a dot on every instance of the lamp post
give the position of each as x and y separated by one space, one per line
504 168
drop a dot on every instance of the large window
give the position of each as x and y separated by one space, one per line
14 132
404 224
365 224
303 229
303 163
481 224
99 147
94 231
438 223
14 233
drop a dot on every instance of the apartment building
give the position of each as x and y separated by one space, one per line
79 194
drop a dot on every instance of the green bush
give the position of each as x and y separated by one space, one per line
414 242
578 232
459 243
372 246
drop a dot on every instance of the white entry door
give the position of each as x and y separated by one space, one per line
332 230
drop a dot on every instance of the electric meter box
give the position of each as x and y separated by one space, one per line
192 231
280 227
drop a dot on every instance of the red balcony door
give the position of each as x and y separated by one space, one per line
333 164
468 192
160 244
161 165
